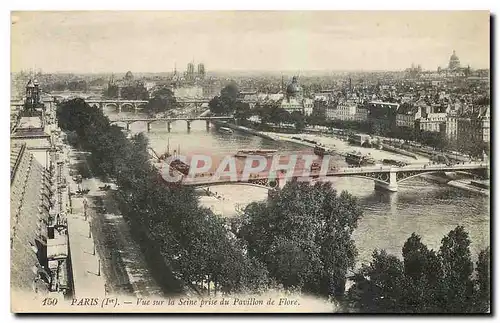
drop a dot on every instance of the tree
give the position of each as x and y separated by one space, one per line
379 287
163 99
426 281
135 91
299 120
230 92
422 269
242 111
457 270
482 281
226 102
303 236
216 106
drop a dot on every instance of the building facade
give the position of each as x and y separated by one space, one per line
346 109
29 211
382 114
433 122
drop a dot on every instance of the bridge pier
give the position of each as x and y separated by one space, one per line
169 126
128 126
208 124
188 124
149 126
392 186
119 108
135 108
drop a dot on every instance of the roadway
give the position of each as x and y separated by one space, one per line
122 262
351 171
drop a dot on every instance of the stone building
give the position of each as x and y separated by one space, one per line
293 100
407 115
30 191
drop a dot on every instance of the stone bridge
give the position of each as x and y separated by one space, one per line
118 104
169 120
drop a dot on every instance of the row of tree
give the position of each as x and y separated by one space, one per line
191 240
425 281
300 238
73 85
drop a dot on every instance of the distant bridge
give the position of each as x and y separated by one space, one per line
169 120
385 177
135 105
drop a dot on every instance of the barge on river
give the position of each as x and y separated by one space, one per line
357 159
255 152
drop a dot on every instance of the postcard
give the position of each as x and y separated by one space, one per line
250 162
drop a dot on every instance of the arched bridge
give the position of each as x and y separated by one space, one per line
385 177
169 120
118 104
137 105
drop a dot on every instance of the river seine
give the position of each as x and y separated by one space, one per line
429 209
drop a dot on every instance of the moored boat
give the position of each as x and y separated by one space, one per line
225 130
255 152
356 158
394 162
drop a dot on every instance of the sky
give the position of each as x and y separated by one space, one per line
156 41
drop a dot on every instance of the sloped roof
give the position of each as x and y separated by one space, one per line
28 212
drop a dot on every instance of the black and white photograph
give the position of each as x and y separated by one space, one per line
250 162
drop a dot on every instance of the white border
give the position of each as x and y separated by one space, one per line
7 6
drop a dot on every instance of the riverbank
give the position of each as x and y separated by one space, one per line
419 206
122 263
242 129
342 147
223 202
399 151
467 185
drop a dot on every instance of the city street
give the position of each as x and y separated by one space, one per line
122 262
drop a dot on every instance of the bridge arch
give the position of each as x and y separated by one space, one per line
434 172
127 107
382 180
110 104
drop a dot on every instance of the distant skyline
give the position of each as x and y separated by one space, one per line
156 41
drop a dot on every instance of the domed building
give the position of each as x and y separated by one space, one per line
294 90
294 100
129 77
454 62
454 69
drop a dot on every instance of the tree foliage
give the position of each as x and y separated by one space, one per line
162 99
193 242
425 281
303 236
227 102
